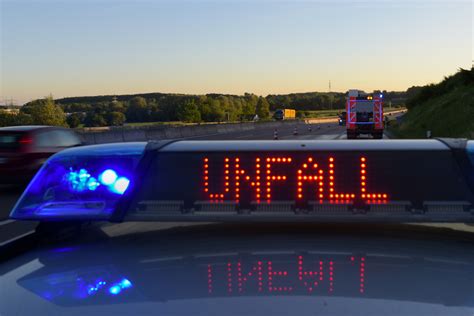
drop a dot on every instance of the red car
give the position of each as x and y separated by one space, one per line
23 149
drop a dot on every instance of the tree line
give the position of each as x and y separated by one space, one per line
38 112
97 111
167 108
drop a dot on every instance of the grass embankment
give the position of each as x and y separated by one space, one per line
447 111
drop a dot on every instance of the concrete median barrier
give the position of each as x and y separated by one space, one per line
115 135
108 137
248 126
230 128
173 132
155 134
208 130
88 138
221 129
188 131
132 135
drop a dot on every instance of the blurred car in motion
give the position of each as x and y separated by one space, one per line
23 149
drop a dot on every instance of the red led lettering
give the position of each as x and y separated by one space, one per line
362 275
271 274
239 276
209 278
271 177
333 194
257 183
320 277
370 197
305 275
219 196
322 182
307 173
255 270
229 277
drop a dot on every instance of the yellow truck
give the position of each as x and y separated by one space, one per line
285 114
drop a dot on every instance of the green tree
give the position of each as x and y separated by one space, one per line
74 120
263 108
248 108
117 106
137 110
45 112
7 119
23 119
188 112
94 120
210 110
115 118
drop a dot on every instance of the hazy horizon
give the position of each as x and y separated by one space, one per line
86 48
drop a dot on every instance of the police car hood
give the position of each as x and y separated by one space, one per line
246 269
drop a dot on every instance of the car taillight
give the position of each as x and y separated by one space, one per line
26 140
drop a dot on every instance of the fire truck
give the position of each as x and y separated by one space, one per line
364 114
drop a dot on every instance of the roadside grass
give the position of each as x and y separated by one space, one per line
322 113
146 124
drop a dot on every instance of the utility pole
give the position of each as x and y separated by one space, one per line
9 102
329 85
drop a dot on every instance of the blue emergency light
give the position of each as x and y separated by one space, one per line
81 182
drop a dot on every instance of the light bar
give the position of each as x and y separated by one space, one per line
321 181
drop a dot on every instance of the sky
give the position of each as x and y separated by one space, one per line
84 47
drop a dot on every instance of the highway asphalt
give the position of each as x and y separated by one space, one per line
322 131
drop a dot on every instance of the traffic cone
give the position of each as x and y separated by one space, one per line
295 131
275 135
